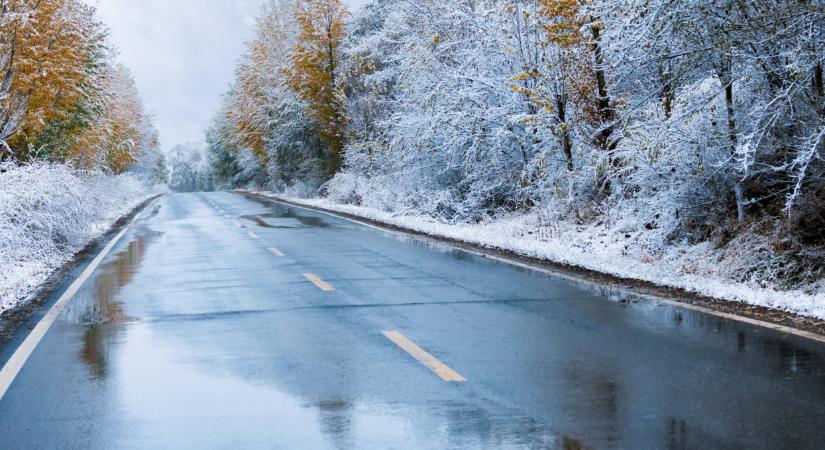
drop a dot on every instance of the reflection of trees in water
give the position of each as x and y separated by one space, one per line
595 397
336 422
794 361
676 434
463 425
606 405
567 443
680 436
95 352
474 425
280 211
790 358
102 312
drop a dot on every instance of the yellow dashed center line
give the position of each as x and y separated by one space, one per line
276 252
317 281
442 370
252 235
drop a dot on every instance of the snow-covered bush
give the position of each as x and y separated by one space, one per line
47 213
676 177
398 195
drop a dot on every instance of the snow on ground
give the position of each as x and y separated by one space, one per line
48 212
695 268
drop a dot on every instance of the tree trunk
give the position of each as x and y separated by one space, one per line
607 116
564 129
668 90
567 147
738 190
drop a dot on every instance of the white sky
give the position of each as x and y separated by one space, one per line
182 54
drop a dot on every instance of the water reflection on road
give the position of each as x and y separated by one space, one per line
100 309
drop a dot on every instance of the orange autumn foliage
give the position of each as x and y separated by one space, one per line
61 98
44 63
314 72
115 139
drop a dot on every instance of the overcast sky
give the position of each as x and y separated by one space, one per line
182 54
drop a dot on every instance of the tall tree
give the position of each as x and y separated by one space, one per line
62 97
160 172
45 51
557 79
315 72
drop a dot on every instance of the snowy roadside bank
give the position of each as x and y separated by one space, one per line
699 269
49 212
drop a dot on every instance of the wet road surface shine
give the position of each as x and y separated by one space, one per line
190 334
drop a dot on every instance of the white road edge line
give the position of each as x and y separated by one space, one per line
678 304
15 364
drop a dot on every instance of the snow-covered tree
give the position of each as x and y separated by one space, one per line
689 116
62 96
189 169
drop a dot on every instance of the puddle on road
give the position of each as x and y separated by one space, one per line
280 211
448 424
285 218
259 220
98 307
159 379
98 303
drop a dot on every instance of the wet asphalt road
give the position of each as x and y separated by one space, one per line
194 334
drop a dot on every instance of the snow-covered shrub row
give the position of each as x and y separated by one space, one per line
47 213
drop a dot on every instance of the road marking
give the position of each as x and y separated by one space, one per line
317 281
252 235
558 274
442 370
276 252
15 364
